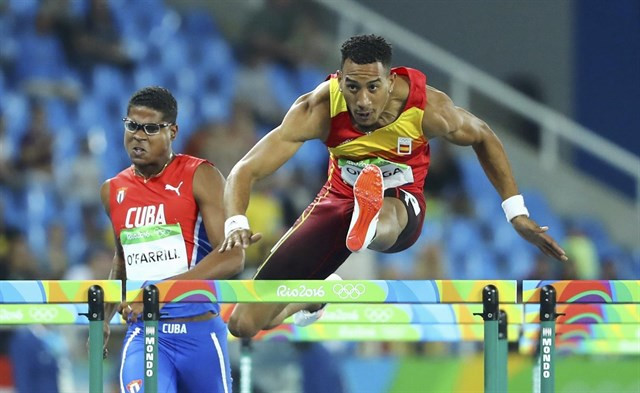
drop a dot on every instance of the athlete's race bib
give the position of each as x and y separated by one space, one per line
393 174
154 252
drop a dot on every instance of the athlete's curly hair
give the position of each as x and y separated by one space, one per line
367 49
158 98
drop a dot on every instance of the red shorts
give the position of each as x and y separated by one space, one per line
315 246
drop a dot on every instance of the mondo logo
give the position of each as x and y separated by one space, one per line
348 291
43 314
378 314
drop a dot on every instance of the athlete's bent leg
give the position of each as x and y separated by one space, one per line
247 319
391 222
311 250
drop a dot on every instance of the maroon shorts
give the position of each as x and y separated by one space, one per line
315 246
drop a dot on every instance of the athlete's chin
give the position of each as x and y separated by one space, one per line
366 125
138 159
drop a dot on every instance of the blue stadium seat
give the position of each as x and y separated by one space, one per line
309 78
148 75
214 107
505 238
15 109
477 262
214 55
215 67
13 208
175 54
24 11
91 112
474 179
65 146
167 28
76 241
185 81
40 57
198 22
519 261
108 82
283 87
136 19
462 236
312 154
58 114
41 210
188 119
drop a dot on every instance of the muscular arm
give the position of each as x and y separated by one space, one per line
308 118
462 128
456 125
208 186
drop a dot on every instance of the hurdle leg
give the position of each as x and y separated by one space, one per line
151 315
503 352
245 365
490 303
96 337
547 339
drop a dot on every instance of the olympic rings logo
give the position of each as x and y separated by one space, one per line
162 232
381 315
348 291
43 314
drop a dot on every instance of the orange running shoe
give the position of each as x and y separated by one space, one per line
368 194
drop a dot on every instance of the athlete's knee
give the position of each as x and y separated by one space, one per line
383 243
387 233
390 225
242 325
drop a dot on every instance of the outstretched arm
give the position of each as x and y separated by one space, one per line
208 186
307 119
442 118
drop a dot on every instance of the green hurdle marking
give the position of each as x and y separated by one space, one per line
411 313
48 314
321 291
379 332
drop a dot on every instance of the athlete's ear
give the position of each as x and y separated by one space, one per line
339 74
392 81
174 131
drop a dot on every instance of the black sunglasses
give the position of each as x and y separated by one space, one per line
148 128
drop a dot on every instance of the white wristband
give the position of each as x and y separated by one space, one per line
235 222
514 206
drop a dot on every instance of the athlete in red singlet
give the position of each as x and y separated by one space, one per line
376 122
167 216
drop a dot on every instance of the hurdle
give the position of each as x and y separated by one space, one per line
62 298
589 309
51 302
348 291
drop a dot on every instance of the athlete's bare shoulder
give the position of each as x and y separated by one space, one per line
309 117
439 113
436 98
105 193
318 99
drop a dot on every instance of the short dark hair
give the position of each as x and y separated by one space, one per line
157 98
367 49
